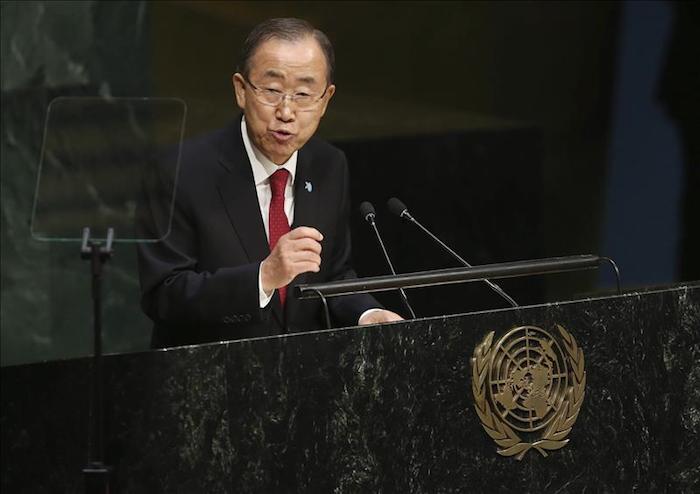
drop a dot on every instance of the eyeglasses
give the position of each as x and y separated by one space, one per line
275 97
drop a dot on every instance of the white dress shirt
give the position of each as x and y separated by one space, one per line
263 168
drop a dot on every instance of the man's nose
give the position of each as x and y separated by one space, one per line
284 111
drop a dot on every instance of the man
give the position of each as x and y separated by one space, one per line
260 207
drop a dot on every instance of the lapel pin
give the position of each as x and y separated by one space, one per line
308 186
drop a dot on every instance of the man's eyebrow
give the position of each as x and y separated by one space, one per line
307 79
274 73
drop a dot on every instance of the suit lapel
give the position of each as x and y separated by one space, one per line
306 204
305 196
240 199
237 190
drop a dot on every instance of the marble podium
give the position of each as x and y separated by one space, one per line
373 409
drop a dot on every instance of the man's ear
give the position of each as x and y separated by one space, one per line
327 98
239 89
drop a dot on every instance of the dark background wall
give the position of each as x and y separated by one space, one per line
494 119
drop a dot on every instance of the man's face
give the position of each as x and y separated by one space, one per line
292 67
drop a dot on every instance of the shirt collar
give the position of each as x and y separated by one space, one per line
262 166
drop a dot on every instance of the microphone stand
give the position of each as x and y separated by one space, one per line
492 285
370 218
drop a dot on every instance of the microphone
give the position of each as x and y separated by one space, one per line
399 209
368 214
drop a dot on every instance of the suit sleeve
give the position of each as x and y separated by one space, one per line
176 292
346 310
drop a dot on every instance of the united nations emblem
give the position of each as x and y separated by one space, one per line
528 388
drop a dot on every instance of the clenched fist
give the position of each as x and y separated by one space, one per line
296 252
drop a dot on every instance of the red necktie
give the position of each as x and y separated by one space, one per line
278 222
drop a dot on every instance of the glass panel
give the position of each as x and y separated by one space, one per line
108 163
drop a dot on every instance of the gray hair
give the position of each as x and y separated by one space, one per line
287 29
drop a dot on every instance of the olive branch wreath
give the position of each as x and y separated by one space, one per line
555 435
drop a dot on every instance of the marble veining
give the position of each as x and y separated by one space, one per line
380 409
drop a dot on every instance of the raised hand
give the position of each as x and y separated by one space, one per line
296 252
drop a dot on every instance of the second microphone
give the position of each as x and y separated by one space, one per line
368 214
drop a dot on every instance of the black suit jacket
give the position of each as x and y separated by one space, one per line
200 283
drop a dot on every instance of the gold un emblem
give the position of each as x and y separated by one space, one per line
528 388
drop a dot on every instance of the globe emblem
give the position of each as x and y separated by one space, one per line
528 378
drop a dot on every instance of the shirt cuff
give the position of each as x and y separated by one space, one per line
263 297
365 313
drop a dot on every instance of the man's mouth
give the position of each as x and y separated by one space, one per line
282 135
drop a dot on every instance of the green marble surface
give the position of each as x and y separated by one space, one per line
50 49
376 409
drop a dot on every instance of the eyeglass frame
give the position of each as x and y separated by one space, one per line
283 96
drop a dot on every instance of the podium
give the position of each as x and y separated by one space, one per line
369 409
